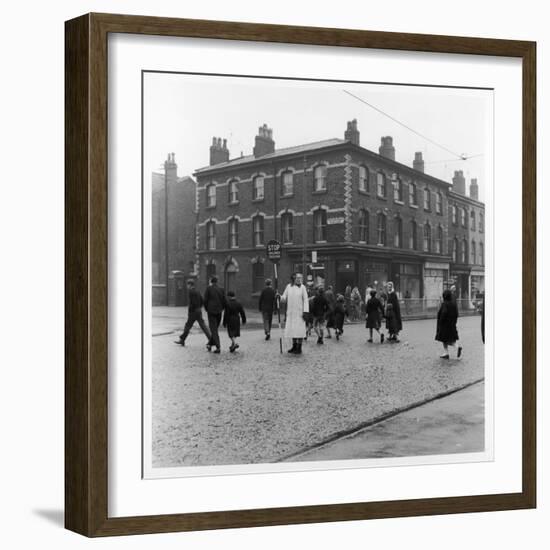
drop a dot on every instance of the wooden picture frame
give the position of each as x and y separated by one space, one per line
86 230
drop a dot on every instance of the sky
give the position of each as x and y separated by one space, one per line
183 112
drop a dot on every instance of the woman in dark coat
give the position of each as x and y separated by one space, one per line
396 322
232 315
447 317
375 311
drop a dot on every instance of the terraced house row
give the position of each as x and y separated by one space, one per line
344 215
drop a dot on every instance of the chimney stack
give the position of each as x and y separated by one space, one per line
218 151
386 148
474 189
171 168
418 162
264 144
352 133
459 182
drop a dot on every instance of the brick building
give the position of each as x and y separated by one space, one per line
180 260
367 218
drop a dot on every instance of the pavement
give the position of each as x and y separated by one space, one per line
260 406
453 424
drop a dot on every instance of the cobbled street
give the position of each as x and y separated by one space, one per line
260 406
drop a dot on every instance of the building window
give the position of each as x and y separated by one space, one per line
363 226
473 253
464 252
320 225
211 235
397 189
454 215
397 232
258 230
287 227
381 184
258 188
320 178
381 229
427 199
363 179
413 199
258 276
288 184
211 195
472 220
481 222
233 191
412 236
233 232
455 251
438 203
439 241
427 242
463 217
481 254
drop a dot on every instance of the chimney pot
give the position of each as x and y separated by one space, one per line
263 143
386 148
352 134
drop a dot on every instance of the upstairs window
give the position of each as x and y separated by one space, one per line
258 230
454 215
481 254
233 191
439 241
397 232
211 235
413 199
258 188
397 189
464 252
363 179
288 184
463 217
211 195
427 238
438 203
381 229
481 222
381 184
427 199
363 226
233 232
472 220
412 236
320 226
473 253
320 178
287 228
455 251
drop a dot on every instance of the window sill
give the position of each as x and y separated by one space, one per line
211 207
398 202
380 197
290 196
320 242
429 210
233 203
258 200
415 206
364 192
319 192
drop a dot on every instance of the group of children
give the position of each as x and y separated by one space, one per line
332 316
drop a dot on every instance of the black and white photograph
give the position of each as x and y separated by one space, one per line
314 273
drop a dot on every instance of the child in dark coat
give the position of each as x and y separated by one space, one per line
232 315
375 311
339 316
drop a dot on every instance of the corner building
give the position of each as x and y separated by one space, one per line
343 214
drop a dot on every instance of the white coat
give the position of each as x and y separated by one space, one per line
297 303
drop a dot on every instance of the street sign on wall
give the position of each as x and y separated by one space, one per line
273 250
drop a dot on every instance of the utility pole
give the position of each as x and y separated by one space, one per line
166 265
304 236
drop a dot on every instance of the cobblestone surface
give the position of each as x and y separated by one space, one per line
257 405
